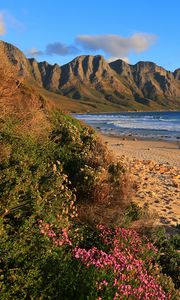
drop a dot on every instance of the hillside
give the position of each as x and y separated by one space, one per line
88 83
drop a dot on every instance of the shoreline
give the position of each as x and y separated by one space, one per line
161 126
154 166
161 151
124 111
136 137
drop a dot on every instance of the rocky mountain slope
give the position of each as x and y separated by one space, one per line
149 81
21 93
97 85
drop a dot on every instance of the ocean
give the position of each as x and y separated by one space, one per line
146 125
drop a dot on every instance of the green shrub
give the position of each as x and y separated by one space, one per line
168 252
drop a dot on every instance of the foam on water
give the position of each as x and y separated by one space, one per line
158 125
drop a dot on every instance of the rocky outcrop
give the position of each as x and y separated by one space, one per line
10 56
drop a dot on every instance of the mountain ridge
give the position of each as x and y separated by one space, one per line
88 78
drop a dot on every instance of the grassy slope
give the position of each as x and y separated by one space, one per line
92 100
95 105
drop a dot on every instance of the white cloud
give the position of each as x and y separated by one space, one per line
2 25
8 20
34 52
116 45
111 59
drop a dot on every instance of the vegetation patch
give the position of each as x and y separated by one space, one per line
49 248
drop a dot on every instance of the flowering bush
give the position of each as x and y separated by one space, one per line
125 270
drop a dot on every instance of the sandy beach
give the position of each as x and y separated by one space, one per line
155 168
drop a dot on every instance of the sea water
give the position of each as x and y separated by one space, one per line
147 125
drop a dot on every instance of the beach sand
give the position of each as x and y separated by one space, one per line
155 169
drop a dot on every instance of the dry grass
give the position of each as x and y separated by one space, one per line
109 202
21 102
147 221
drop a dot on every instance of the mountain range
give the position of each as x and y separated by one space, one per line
90 83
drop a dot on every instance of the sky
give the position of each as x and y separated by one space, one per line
59 30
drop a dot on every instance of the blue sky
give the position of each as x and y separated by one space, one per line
57 31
